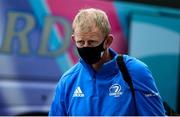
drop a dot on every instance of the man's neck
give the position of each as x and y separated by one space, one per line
106 57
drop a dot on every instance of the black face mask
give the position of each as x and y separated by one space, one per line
91 55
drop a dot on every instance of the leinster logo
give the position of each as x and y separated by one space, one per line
115 90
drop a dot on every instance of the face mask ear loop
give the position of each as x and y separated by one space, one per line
105 38
102 53
103 47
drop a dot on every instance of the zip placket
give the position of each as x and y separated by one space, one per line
95 97
94 84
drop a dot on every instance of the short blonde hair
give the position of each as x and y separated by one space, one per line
86 19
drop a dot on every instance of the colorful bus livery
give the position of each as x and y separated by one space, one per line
22 33
36 49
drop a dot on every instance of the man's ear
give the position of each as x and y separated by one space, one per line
73 38
108 40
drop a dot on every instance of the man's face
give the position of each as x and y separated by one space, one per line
89 39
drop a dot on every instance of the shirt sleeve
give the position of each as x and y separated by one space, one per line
58 105
148 99
149 104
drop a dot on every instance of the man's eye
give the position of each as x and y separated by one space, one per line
90 42
80 43
93 43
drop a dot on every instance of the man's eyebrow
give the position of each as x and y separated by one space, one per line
93 41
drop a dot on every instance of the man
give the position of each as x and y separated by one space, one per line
94 86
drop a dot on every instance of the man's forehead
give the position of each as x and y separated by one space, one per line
94 31
91 34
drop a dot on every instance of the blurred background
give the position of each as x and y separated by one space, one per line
36 46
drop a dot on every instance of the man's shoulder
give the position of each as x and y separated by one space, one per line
135 65
140 74
67 77
72 71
